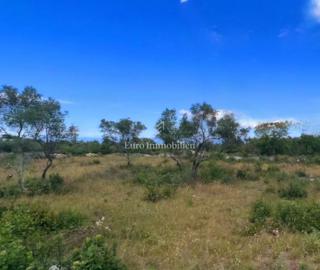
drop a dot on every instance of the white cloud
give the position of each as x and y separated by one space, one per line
66 102
182 112
283 33
184 1
314 10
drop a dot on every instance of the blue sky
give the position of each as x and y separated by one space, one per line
112 59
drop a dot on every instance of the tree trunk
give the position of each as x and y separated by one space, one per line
178 162
128 159
49 164
194 171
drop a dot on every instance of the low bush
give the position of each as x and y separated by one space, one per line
155 192
246 174
212 172
35 186
159 183
301 173
296 216
10 191
260 212
27 238
94 255
295 190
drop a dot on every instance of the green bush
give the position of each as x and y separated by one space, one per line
156 192
24 220
246 174
56 183
159 183
10 191
14 255
35 186
301 173
295 190
295 215
96 255
212 172
260 212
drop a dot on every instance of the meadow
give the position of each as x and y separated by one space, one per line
207 225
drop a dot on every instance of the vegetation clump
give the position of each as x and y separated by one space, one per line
295 190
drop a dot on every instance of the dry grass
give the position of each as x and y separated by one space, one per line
199 228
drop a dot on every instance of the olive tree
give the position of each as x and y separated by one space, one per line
18 111
51 130
124 132
196 128
168 131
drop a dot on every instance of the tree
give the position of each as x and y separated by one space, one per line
271 137
279 129
168 132
124 132
230 133
198 128
17 118
73 133
51 130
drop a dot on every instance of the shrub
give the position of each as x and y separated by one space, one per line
246 174
10 191
36 186
212 173
156 192
96 161
13 254
312 243
294 216
260 212
295 190
24 220
159 183
69 219
301 173
95 255
56 183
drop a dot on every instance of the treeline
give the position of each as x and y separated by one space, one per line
31 123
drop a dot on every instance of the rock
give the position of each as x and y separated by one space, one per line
60 156
54 267
91 155
275 232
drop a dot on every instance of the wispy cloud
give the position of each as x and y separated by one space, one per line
184 1
65 102
314 10
283 33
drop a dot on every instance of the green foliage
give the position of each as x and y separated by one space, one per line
12 190
295 190
301 173
260 212
14 255
246 174
26 240
159 183
35 186
56 183
212 172
96 255
296 216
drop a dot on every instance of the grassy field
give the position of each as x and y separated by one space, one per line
200 227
